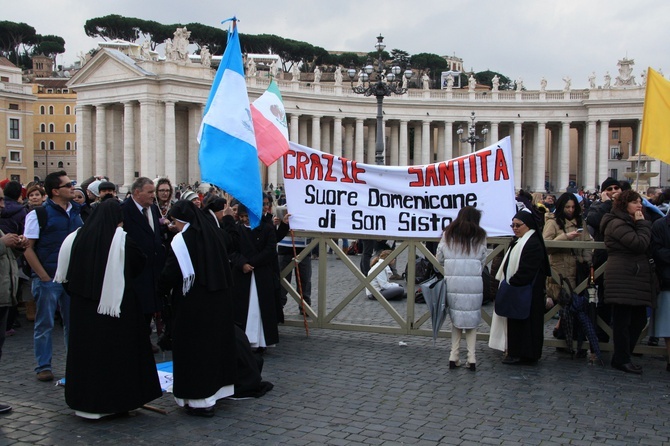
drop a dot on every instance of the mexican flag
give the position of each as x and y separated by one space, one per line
270 125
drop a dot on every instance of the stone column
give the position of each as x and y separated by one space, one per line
293 130
516 154
603 155
348 140
325 136
564 157
540 158
440 141
84 142
426 148
337 136
128 145
372 132
590 156
170 168
448 141
100 140
417 145
316 132
195 114
148 139
359 146
302 133
493 132
402 146
393 145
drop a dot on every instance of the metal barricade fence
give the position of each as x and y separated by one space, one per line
340 291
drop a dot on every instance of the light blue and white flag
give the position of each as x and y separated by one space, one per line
228 156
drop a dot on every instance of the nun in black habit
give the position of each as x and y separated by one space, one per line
203 332
526 262
110 366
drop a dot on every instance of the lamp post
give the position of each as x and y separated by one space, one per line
472 138
383 85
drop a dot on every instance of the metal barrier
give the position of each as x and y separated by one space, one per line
335 299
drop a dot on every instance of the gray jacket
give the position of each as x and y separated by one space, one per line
9 275
463 274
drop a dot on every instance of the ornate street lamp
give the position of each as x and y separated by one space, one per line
472 138
383 85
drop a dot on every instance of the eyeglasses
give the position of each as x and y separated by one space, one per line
612 188
68 185
517 225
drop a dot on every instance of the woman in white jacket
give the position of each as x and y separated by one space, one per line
463 251
380 281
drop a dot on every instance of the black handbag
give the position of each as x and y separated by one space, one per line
513 302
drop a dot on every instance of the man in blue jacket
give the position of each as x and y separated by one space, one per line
44 241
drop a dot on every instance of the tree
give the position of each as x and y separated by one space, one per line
12 36
432 62
486 78
49 45
112 27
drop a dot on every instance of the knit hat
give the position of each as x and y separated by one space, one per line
189 195
106 185
609 182
94 188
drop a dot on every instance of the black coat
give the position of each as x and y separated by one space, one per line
257 247
660 248
149 242
628 279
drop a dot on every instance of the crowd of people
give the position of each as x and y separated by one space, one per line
189 265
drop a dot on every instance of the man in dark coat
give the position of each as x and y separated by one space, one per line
140 221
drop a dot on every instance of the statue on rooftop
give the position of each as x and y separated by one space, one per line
496 82
543 84
317 75
205 57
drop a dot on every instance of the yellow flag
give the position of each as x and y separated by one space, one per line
656 117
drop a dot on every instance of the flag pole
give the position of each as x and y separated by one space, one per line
637 173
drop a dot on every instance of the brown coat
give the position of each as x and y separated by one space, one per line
563 261
628 279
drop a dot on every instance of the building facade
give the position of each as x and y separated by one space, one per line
16 124
55 126
141 117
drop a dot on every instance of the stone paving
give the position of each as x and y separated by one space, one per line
350 388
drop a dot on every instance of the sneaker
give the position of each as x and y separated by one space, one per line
45 375
4 408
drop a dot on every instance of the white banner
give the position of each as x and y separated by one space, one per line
327 193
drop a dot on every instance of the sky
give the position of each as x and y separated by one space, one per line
526 39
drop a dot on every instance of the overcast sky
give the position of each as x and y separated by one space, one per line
525 39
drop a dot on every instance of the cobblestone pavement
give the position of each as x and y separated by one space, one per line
349 388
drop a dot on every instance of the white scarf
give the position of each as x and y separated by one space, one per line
514 255
181 252
113 285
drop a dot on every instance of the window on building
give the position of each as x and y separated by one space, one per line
13 106
43 128
60 164
50 90
14 128
65 90
75 145
615 134
51 109
16 178
43 110
14 156
4 79
52 145
68 110
36 164
68 145
68 128
615 153
52 128
614 173
43 145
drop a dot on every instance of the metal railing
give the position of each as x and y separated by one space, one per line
338 291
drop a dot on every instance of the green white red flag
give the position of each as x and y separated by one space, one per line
270 125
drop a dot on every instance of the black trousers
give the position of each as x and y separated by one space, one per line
627 323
